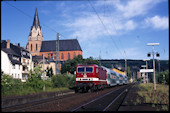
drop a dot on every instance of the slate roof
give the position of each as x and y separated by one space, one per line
10 54
36 22
64 45
14 51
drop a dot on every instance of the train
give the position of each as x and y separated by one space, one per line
93 77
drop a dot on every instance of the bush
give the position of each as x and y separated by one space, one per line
48 83
34 81
10 86
63 80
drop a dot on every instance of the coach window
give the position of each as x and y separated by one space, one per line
80 69
120 76
108 75
89 69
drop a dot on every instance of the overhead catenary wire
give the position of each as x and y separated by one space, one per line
32 17
104 26
115 27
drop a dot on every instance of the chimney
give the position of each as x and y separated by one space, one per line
8 44
18 44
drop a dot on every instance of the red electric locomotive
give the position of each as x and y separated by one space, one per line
90 77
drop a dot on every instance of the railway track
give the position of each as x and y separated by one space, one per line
107 102
31 104
71 102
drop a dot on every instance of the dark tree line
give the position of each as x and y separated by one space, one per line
70 65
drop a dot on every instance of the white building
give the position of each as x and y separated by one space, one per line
15 60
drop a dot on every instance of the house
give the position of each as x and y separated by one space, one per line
15 60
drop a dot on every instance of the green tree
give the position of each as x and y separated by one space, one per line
51 72
70 65
166 73
34 80
48 71
90 60
129 73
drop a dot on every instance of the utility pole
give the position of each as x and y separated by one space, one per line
153 44
57 55
125 64
43 74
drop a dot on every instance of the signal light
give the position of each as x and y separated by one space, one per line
157 54
149 54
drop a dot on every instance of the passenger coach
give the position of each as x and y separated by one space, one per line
95 77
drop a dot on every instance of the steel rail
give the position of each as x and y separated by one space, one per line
115 99
97 99
31 104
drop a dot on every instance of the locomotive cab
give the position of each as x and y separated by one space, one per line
89 76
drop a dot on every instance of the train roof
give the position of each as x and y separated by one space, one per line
87 65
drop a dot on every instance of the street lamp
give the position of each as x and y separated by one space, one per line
153 44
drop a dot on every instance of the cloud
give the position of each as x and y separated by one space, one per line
131 53
45 12
136 7
157 22
90 27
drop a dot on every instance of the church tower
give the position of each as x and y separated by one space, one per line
35 37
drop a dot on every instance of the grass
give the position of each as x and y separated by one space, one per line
147 94
31 91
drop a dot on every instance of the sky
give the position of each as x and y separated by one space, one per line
106 29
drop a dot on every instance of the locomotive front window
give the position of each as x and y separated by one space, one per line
80 70
89 69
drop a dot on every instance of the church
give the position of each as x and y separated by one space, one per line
68 48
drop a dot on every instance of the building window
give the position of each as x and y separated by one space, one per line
23 60
54 56
48 55
31 47
74 54
68 55
62 56
36 47
13 66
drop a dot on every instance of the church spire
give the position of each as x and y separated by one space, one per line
36 22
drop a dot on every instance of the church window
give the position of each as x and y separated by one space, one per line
31 47
49 55
62 56
68 55
36 47
54 56
74 54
